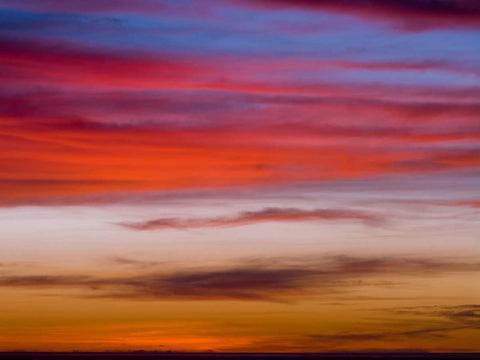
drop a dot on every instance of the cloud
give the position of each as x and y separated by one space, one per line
473 203
247 132
124 261
411 14
285 279
34 59
24 59
88 6
259 216
387 329
427 65
445 320
434 332
470 203
467 314
211 117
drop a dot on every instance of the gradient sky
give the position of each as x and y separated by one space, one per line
240 175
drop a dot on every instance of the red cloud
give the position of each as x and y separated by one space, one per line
26 60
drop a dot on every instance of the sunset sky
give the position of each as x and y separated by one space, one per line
240 175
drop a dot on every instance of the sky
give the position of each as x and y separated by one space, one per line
240 175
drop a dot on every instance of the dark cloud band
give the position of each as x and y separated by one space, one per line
412 14
265 280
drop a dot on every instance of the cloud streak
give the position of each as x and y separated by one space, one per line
433 332
274 280
260 216
88 6
66 62
412 14
466 314
427 322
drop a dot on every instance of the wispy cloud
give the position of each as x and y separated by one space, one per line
125 261
266 280
435 332
259 216
60 61
88 6
412 14
428 322
394 329
467 314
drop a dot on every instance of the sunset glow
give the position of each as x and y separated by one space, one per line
240 175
